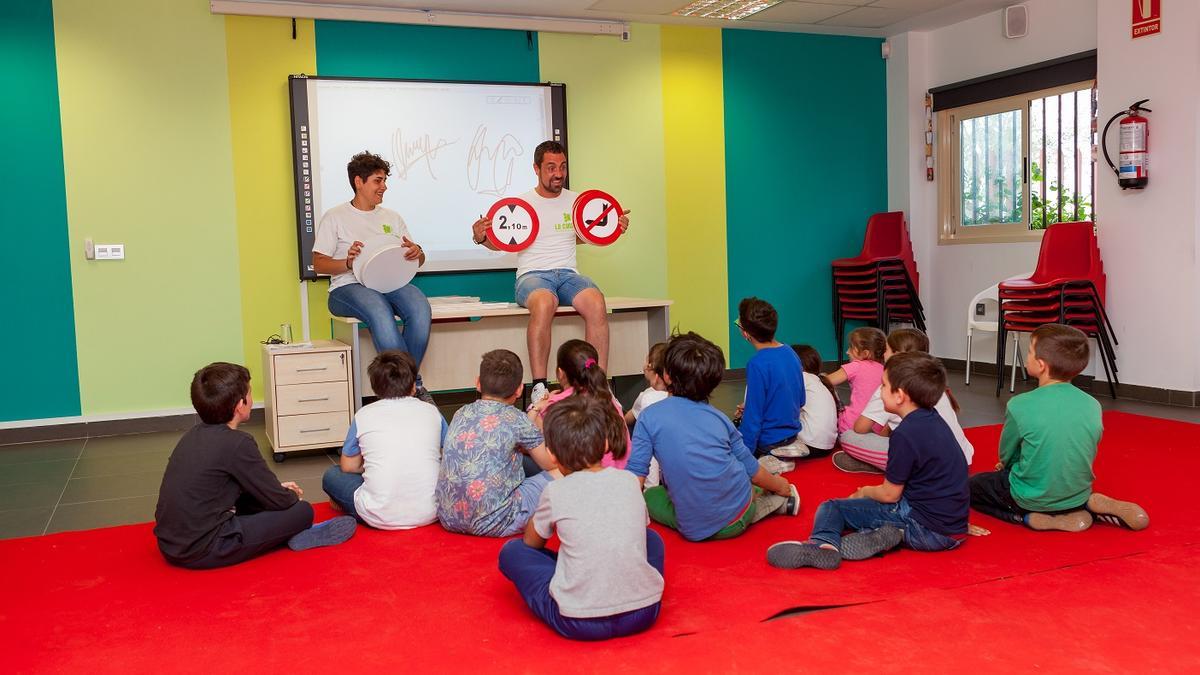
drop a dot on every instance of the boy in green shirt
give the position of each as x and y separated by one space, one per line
1044 478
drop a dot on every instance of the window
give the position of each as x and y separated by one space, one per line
1011 167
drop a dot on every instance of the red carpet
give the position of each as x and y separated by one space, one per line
1107 599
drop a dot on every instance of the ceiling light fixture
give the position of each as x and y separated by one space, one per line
730 10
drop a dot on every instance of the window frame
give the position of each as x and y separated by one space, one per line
949 160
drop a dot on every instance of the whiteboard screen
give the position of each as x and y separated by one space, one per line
455 149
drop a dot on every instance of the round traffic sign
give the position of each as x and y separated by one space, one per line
514 224
595 215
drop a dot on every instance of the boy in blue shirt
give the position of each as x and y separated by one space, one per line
716 487
925 496
774 385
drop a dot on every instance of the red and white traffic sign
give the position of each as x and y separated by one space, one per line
514 224
595 215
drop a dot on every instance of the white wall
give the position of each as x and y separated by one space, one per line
951 275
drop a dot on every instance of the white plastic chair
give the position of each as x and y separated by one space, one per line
989 297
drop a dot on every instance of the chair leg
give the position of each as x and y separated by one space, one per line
1112 389
1012 384
1001 348
968 382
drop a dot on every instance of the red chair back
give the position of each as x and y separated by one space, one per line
886 236
1068 251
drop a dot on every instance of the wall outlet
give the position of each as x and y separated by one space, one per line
110 251
980 310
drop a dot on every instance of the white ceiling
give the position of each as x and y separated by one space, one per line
879 18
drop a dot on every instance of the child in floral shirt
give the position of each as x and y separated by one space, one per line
481 487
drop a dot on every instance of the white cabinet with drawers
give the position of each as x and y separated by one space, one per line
308 396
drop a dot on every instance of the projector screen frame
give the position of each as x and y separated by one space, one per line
303 176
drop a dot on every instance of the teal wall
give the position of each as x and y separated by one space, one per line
805 166
346 48
41 374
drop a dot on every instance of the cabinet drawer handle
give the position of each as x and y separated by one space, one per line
310 370
310 400
313 431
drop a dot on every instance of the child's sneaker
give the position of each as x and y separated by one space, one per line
540 393
774 465
793 450
1072 521
844 461
1116 512
863 545
327 533
791 506
790 555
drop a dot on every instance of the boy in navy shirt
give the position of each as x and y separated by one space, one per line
774 385
924 498
716 487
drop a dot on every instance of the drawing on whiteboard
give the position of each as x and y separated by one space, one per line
490 165
409 152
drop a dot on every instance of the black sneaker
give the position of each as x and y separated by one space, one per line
844 461
327 533
863 545
790 555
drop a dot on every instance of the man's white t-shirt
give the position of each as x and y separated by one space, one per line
554 248
343 225
401 444
876 413
818 417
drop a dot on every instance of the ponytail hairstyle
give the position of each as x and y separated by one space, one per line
810 360
580 363
870 340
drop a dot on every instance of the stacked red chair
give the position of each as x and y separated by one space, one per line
1067 287
879 286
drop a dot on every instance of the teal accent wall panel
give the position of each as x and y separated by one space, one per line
41 379
352 49
805 166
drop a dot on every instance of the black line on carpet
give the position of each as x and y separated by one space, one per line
809 609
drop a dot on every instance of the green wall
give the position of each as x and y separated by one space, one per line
41 379
805 166
353 49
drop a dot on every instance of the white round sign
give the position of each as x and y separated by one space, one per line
381 266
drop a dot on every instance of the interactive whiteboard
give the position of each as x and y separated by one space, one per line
455 148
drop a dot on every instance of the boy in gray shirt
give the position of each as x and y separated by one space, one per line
606 579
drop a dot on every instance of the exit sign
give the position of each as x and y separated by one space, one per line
1147 17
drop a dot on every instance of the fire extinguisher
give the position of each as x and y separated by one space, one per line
1134 153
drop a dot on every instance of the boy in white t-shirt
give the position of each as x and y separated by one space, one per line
388 469
865 447
339 240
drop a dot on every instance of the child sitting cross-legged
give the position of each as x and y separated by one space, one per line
923 500
714 488
388 468
770 419
219 504
657 391
482 488
1044 478
606 580
580 372
818 417
863 372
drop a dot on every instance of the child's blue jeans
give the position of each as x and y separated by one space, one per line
531 569
838 515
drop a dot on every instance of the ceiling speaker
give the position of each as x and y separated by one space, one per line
1016 21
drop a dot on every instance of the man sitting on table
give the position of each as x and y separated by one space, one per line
547 275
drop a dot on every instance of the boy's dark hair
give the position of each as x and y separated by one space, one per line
758 318
579 429
1064 349
920 375
547 146
581 364
871 340
908 340
393 374
694 365
657 358
500 373
364 165
217 389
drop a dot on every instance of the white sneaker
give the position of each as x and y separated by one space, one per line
539 394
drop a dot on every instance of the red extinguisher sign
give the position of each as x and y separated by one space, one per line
1147 17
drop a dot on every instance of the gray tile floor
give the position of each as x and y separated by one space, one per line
97 482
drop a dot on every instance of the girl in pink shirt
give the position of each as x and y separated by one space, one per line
581 375
864 372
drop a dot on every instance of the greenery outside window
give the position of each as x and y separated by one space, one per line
1009 168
